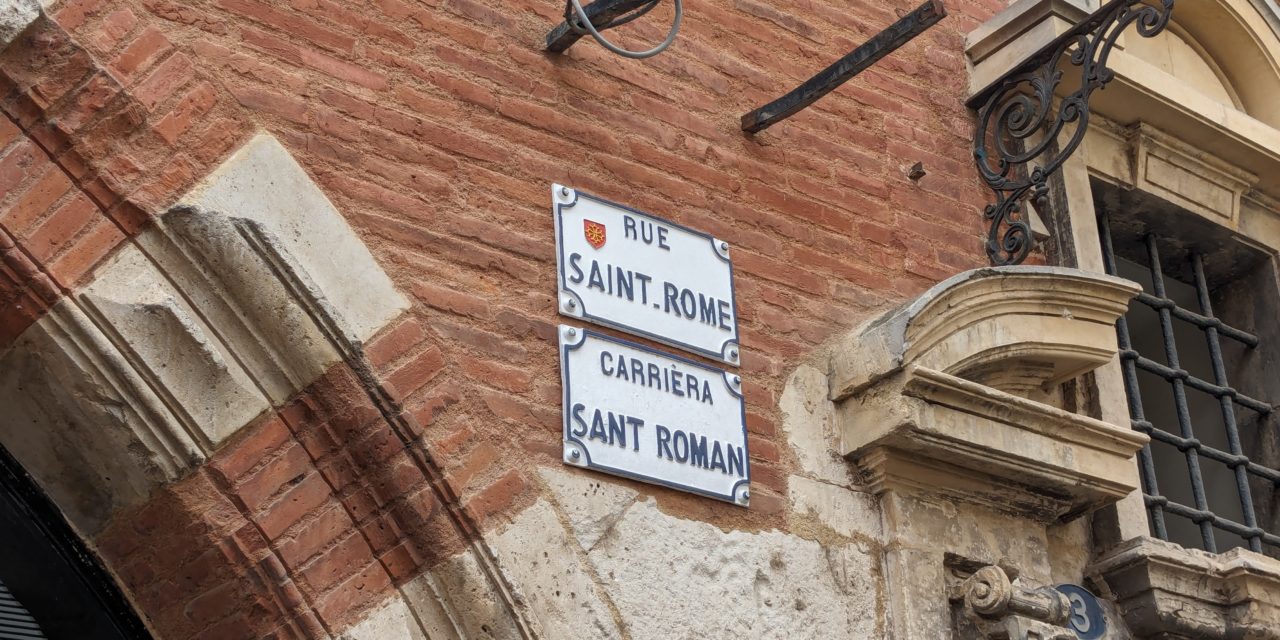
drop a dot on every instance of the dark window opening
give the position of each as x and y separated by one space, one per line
51 585
1199 361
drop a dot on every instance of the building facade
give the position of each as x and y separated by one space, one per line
283 352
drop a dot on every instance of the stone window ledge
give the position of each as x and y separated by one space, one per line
1168 592
956 393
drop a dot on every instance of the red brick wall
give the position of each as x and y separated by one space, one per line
437 127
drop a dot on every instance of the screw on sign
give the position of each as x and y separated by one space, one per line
1087 618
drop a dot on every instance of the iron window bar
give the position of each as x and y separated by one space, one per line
1204 322
1185 441
1151 366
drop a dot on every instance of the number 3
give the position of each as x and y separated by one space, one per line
1079 614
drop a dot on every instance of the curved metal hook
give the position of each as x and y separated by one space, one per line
584 22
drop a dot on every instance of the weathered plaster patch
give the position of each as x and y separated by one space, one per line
809 418
547 575
848 513
672 578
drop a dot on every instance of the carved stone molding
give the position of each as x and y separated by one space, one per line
204 322
1145 158
1167 592
998 607
953 394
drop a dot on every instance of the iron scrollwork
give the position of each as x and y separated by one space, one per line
1013 164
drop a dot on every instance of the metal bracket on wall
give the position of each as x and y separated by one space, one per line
844 70
601 15
1013 162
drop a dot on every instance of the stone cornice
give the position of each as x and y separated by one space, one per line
1169 592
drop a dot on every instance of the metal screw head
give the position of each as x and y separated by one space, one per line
564 191
724 246
575 454
572 332
737 380
745 497
571 303
733 354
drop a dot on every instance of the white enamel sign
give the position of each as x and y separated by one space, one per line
644 275
635 412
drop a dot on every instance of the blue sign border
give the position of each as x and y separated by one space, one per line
567 346
561 260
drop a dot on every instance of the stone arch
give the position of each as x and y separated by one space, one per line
1179 54
1240 46
155 402
181 379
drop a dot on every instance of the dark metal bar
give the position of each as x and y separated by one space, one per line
1204 322
1228 406
871 52
1203 517
1228 459
1169 374
1235 459
601 12
1180 396
1146 461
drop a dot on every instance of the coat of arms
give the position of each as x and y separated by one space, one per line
595 233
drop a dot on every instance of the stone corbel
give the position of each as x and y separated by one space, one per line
954 394
1168 592
999 608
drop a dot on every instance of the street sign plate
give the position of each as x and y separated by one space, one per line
635 412
641 274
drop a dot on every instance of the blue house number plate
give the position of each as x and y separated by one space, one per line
1087 618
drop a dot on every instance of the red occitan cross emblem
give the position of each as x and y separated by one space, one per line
595 233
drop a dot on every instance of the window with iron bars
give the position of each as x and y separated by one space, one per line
1199 386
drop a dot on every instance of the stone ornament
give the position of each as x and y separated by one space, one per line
956 393
1003 610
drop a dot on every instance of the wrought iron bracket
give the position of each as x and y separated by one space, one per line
844 69
1011 160
604 14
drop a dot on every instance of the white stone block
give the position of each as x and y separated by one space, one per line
673 578
15 17
590 504
392 621
262 182
204 387
549 576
